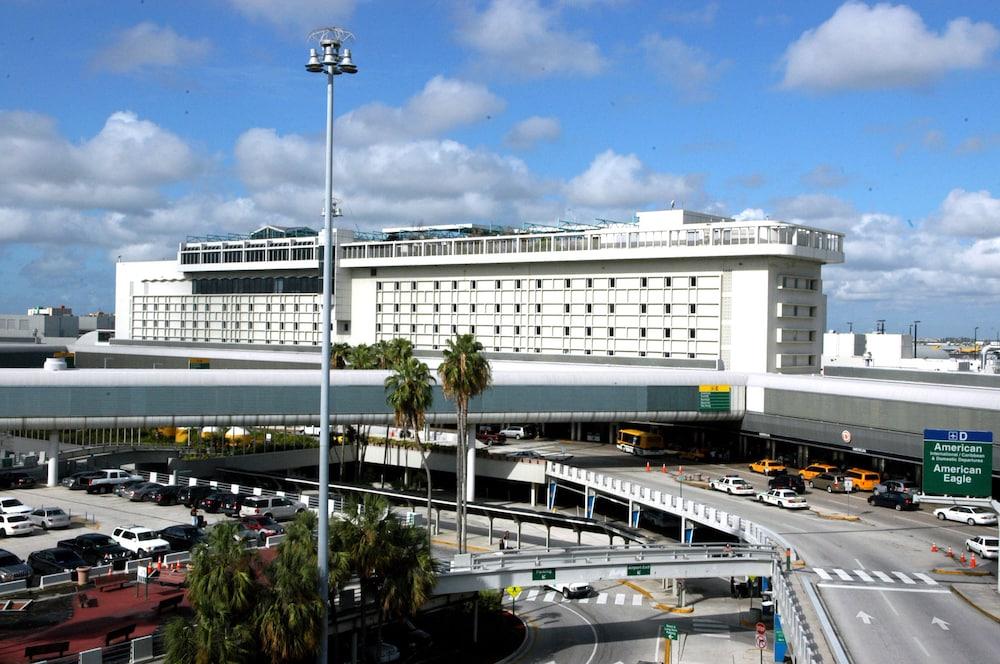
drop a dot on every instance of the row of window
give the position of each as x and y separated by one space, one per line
521 283
251 255
225 325
241 285
668 333
643 308
798 283
224 306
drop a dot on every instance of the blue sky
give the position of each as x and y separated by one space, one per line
127 125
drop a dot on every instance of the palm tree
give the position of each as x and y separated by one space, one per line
465 373
382 354
362 356
392 562
223 590
339 353
398 350
410 396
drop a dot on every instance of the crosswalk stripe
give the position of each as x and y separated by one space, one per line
532 594
602 598
619 600
584 600
885 578
550 596
842 574
822 573
636 600
863 575
926 579
905 579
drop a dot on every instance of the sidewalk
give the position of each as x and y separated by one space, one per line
981 596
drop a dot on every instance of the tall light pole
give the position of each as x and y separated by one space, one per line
333 63
915 323
975 337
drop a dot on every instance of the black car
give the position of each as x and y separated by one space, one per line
98 549
787 481
212 503
192 495
165 495
81 480
53 561
16 480
127 485
182 537
232 502
895 499
144 493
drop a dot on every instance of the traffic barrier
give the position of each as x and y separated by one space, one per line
934 547
972 561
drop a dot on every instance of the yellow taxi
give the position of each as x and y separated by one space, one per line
863 479
814 469
767 467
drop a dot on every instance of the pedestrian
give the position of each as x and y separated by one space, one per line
732 587
503 544
195 520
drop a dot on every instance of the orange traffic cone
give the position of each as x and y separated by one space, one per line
159 565
680 469
663 469
934 547
962 558
950 553
647 466
972 561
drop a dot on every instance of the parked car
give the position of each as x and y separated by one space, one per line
263 526
12 568
212 503
144 494
97 549
276 507
862 479
787 481
767 467
830 482
518 432
17 480
11 505
108 479
816 469
14 525
985 545
80 480
974 515
49 517
190 496
895 499
164 495
121 489
130 491
491 437
140 540
182 537
524 454
54 561
733 485
786 498
902 486
232 502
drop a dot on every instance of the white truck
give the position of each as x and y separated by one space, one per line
572 590
733 485
110 478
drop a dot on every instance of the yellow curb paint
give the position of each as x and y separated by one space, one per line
639 589
674 609
470 547
960 572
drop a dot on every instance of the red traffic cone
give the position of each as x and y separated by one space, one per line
663 469
647 466
934 547
972 561
950 553
680 469
962 558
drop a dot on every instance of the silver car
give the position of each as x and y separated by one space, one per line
12 568
49 517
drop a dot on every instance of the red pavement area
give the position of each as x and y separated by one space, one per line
88 627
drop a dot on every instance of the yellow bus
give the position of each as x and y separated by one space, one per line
640 443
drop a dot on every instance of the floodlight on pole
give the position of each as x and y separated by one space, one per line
333 63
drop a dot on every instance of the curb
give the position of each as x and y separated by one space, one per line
960 572
674 609
837 517
992 616
636 587
529 639
451 544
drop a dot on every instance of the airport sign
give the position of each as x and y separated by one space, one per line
958 463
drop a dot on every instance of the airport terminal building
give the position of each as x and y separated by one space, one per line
671 288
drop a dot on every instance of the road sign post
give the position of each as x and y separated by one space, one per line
669 633
958 463
514 592
761 639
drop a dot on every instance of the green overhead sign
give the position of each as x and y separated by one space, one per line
544 574
958 463
638 570
714 397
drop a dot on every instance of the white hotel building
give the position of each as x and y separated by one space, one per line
674 288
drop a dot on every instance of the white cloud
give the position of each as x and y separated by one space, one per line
750 214
524 37
974 214
825 176
884 46
443 104
526 134
822 210
296 15
623 181
149 45
690 70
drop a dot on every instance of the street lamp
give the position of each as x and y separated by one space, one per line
915 323
975 337
332 63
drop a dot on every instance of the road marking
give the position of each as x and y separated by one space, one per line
863 575
898 590
864 617
550 596
926 579
584 600
602 598
860 564
712 629
619 600
921 646
842 574
637 600
593 630
905 579
532 594
940 623
822 573
885 578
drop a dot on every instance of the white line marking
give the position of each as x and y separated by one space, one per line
905 579
550 596
619 600
921 646
584 600
883 577
593 631
859 564
715 636
532 594
822 573
898 590
602 598
926 579
863 575
843 575
637 600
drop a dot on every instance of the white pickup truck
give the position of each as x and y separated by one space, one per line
572 590
732 484
111 478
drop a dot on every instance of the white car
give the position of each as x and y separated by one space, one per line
571 590
15 524
985 545
783 498
11 505
141 541
49 517
517 432
733 485
974 515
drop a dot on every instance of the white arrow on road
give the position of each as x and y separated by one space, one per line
940 623
865 618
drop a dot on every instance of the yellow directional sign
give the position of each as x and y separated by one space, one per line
713 388
514 591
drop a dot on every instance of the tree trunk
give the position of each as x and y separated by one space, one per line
459 467
424 457
463 434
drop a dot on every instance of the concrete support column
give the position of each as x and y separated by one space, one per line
534 494
681 592
579 534
406 476
53 458
611 433
470 473
586 499
683 529
518 535
772 447
548 536
489 530
173 477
